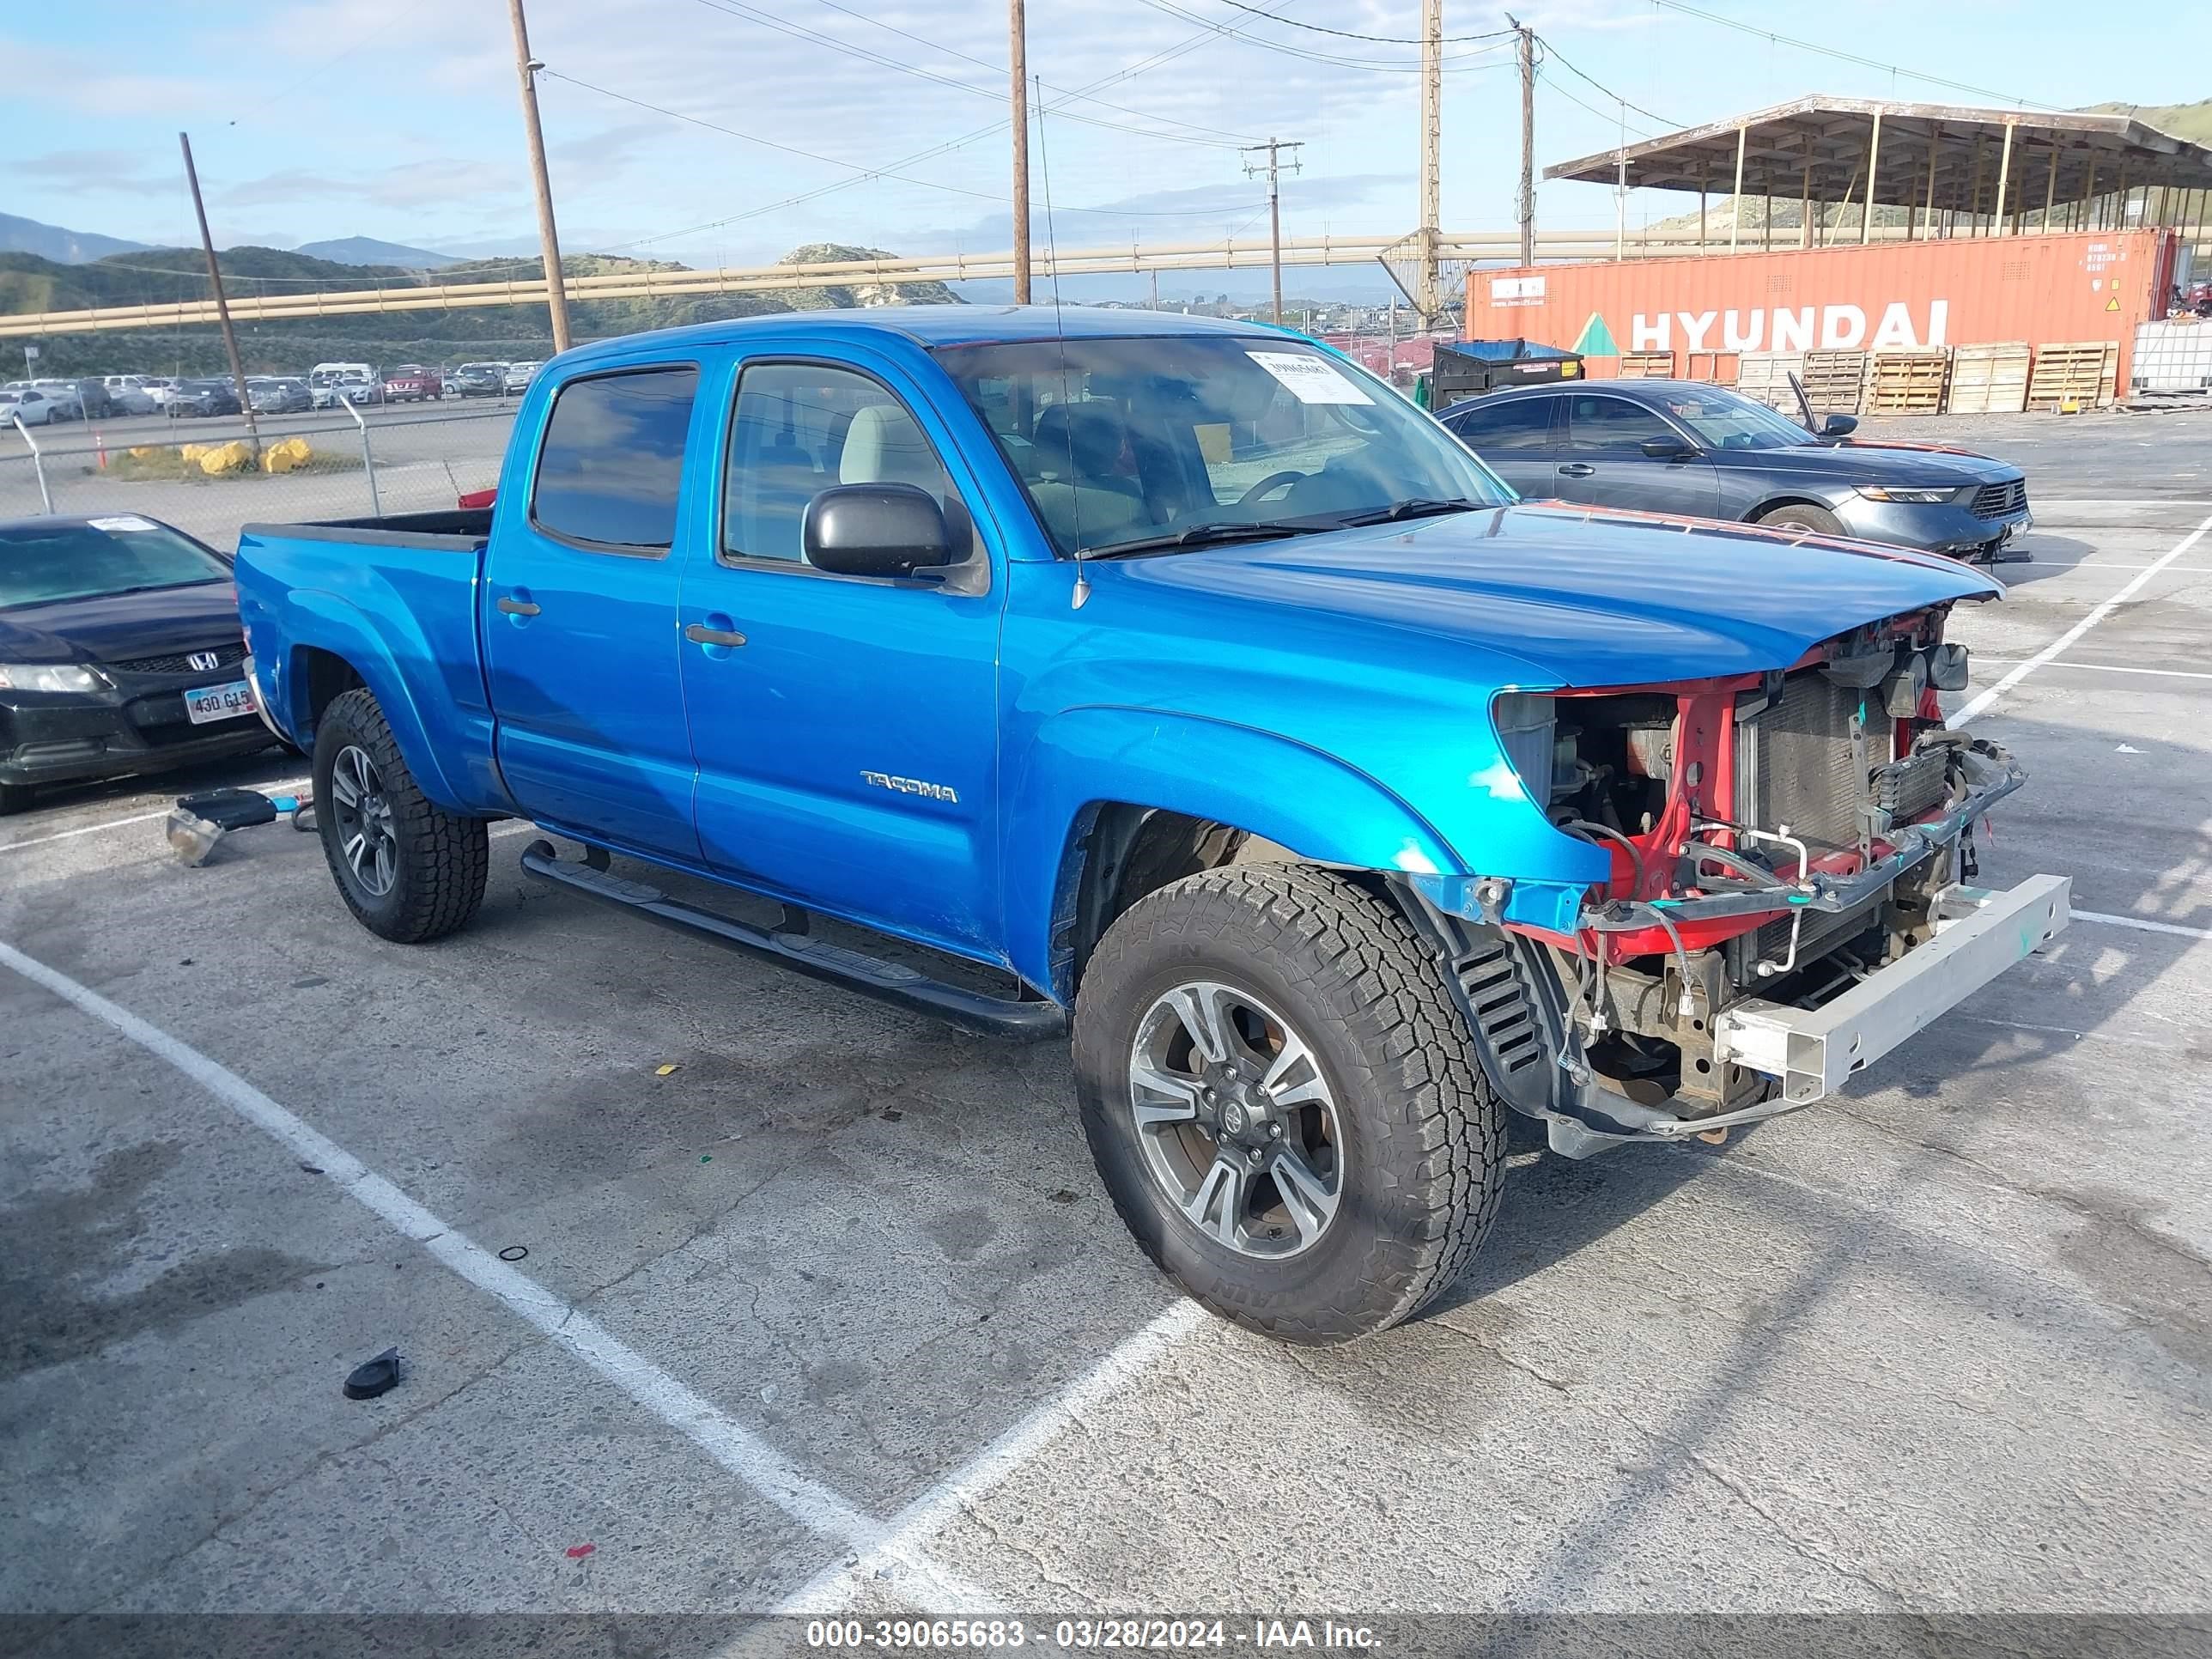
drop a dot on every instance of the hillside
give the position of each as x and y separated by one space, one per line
2191 121
28 282
56 242
368 251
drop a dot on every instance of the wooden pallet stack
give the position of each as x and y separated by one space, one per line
2085 373
1647 366
1907 382
1989 379
1764 377
1835 382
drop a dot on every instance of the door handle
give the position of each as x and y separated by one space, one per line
1577 470
699 634
517 608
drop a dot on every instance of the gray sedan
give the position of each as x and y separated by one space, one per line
1690 448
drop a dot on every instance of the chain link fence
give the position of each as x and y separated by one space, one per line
395 464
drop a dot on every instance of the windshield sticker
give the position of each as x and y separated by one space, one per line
1312 378
122 521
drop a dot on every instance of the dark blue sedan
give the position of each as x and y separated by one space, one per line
1690 448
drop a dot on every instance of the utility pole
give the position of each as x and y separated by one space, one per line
1526 208
221 303
1273 147
1019 53
1428 295
549 241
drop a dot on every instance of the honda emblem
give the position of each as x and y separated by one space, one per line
205 660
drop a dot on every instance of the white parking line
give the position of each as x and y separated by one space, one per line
759 1465
913 1527
2058 646
2111 668
2143 924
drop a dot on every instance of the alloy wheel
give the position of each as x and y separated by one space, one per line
362 817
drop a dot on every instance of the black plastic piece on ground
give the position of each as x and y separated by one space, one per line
230 809
373 1376
891 981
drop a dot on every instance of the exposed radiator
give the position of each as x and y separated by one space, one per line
1795 763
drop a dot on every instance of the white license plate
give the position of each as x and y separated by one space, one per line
220 702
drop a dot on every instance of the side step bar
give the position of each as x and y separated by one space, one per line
791 946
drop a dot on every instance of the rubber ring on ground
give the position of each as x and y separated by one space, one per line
514 1253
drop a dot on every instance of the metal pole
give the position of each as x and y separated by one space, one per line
1805 201
1274 214
1620 204
1527 205
367 457
2004 180
38 463
1935 146
1704 174
549 240
1430 295
1017 53
1736 201
1874 172
2049 189
221 303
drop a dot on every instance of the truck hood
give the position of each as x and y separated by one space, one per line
1582 596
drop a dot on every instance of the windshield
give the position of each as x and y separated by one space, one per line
1728 420
1119 441
42 562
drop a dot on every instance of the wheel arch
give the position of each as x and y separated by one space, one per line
1113 804
1787 498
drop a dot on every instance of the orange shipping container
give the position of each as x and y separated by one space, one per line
2043 289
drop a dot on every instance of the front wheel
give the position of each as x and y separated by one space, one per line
1283 1101
1799 515
409 870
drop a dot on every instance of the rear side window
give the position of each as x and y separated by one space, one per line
1518 424
612 461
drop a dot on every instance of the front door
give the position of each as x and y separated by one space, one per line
581 616
845 728
1603 463
1515 437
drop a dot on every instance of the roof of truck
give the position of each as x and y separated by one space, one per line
954 324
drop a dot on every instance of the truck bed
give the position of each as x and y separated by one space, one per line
464 528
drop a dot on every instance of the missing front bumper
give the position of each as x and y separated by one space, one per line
1810 1051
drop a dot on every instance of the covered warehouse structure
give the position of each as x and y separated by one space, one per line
1944 169
1899 257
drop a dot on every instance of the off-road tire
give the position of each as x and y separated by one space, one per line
1425 1135
443 858
1798 516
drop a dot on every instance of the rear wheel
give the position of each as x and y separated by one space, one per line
1283 1102
409 870
1799 515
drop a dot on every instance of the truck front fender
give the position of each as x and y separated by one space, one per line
1280 790
447 748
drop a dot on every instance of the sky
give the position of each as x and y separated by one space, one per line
399 119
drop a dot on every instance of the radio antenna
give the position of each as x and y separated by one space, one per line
1081 593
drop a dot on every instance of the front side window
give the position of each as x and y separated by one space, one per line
1127 441
1613 425
612 461
800 428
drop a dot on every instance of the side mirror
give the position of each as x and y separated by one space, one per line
1668 448
1839 426
875 530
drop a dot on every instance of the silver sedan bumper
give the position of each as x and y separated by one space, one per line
1810 1051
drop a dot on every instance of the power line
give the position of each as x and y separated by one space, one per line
1284 47
938 45
1346 35
1605 115
1756 33
1552 51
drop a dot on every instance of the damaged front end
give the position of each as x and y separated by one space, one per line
1788 899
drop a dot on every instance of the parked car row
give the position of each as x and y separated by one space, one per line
50 401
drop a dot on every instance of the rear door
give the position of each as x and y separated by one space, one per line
846 726
1515 437
1602 463
580 613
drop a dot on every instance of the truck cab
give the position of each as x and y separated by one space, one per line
1179 682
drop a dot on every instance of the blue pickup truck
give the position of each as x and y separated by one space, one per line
1177 683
